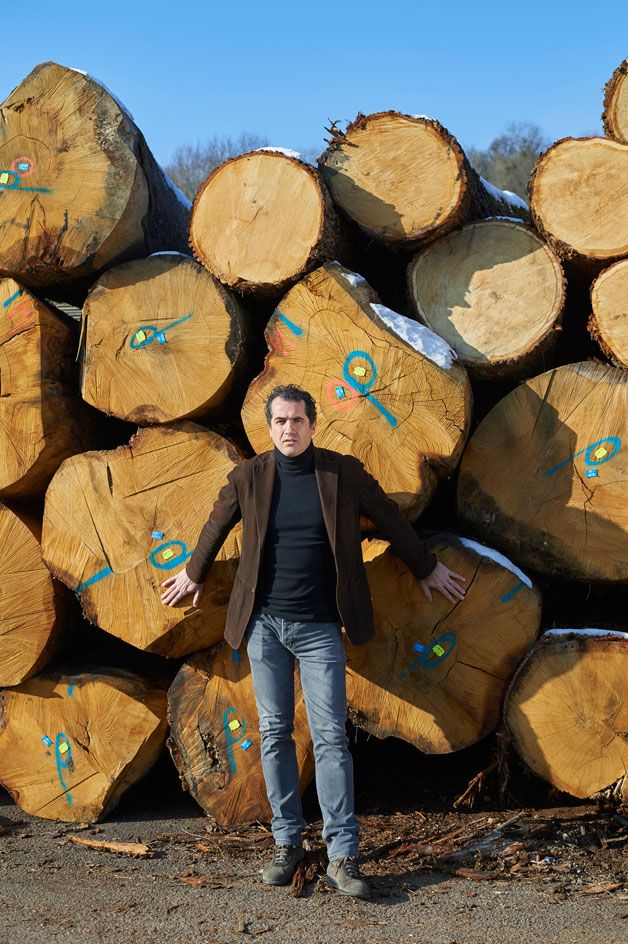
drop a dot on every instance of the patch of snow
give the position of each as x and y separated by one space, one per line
80 71
497 557
181 197
586 632
170 252
419 337
120 104
510 219
354 278
504 195
420 116
281 150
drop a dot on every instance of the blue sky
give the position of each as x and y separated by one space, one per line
190 70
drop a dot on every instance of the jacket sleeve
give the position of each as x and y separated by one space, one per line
224 516
385 514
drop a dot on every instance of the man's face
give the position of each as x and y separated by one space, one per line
290 429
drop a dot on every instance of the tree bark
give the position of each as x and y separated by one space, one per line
80 189
162 340
70 745
385 386
263 220
117 523
543 477
436 673
214 736
579 201
31 605
608 323
615 114
42 420
495 292
567 709
405 180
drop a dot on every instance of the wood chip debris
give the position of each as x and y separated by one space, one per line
136 849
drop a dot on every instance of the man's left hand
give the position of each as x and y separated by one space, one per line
443 580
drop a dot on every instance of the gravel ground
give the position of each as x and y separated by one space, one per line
202 883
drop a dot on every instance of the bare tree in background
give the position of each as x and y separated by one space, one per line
508 160
192 163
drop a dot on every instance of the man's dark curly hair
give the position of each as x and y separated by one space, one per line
295 394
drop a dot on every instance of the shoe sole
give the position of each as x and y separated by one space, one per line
333 884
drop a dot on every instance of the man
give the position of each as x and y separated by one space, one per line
300 577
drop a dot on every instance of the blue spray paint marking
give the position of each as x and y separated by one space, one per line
180 558
16 184
70 690
12 298
236 656
508 596
290 324
174 561
363 388
340 393
157 334
589 458
430 656
105 572
47 740
231 738
592 473
64 761
158 535
246 744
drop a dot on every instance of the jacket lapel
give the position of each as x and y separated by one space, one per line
327 479
263 484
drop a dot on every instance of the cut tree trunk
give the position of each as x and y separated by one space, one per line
388 390
162 340
609 319
436 673
543 478
579 201
262 220
70 745
495 292
404 180
42 420
215 740
80 189
117 523
567 709
615 114
31 606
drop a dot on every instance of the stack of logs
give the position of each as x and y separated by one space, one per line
441 326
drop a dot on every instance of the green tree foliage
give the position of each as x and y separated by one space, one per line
508 160
191 164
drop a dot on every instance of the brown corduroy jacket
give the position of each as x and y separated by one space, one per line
347 491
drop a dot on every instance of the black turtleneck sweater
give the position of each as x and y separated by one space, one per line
297 579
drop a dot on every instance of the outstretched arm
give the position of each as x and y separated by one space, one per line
224 516
385 514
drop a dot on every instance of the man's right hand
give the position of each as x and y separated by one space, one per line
180 586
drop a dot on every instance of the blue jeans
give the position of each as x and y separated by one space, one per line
273 644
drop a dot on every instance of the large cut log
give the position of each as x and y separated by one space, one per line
262 220
387 389
567 709
42 421
404 180
615 114
117 523
608 323
80 188
579 201
31 606
436 673
543 478
71 744
214 736
162 340
495 292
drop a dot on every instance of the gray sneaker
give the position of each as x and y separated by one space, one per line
344 875
281 869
